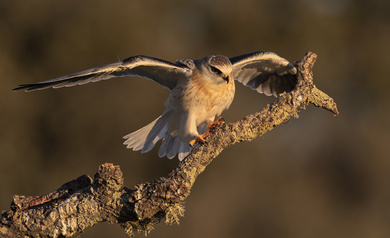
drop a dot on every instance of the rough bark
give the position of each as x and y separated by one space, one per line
84 202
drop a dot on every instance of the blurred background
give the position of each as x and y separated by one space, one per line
317 176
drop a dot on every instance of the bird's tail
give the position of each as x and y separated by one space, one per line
146 138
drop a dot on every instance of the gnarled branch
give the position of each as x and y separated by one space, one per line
83 202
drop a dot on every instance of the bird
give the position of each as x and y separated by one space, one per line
200 91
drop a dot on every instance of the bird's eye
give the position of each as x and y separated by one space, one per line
215 70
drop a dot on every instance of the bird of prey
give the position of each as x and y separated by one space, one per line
200 91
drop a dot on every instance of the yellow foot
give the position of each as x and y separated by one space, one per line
212 125
199 138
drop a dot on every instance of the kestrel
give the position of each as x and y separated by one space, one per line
200 91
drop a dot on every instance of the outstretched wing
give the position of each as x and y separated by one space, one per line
265 72
163 72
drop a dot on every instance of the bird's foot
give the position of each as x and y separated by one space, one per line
213 124
199 138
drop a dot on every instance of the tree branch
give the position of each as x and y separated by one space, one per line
83 202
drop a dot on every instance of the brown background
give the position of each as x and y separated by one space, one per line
316 176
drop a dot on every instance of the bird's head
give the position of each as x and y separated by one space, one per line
217 68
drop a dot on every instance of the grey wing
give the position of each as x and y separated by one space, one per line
163 72
265 72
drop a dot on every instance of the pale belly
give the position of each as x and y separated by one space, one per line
193 105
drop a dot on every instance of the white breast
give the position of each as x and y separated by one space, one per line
196 101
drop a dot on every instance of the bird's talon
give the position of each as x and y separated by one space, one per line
212 125
199 139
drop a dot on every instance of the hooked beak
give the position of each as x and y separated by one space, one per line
226 78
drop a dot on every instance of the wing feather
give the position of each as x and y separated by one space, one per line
163 72
265 72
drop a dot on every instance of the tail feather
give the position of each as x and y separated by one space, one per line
136 140
159 131
173 147
146 138
148 134
184 150
163 148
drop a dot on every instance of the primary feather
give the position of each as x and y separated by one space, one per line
163 72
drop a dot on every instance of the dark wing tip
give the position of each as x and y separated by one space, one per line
26 87
35 86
